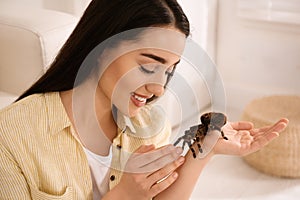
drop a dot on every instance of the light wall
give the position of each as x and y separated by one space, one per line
256 57
202 15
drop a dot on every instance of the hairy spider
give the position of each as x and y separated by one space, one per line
209 121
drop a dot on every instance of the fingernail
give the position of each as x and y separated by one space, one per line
181 160
179 150
175 175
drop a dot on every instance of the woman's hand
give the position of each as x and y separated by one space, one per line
244 139
150 171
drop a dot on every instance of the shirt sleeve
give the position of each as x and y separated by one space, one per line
13 184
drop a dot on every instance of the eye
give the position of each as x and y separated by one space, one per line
170 71
154 68
146 70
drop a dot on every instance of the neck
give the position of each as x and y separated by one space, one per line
94 125
105 117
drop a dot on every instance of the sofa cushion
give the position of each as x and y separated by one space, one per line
6 99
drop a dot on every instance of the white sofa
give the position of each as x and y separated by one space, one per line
30 37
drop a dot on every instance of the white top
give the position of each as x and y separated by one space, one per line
99 166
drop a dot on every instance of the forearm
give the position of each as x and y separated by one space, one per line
189 172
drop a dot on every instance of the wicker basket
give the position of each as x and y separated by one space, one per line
281 157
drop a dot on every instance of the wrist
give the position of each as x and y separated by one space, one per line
204 153
117 193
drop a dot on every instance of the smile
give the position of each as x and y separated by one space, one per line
138 100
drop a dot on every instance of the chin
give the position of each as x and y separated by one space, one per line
133 111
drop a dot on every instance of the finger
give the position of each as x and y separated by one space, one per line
165 171
259 131
269 135
153 160
150 147
284 120
263 140
160 162
241 125
246 139
149 152
279 126
145 148
162 185
145 158
245 135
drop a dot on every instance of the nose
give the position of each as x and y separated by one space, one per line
156 89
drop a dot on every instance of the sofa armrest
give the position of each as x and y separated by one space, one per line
6 99
30 38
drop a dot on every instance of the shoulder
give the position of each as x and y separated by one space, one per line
23 107
28 121
18 121
28 114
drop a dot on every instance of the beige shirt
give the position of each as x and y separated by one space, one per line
149 126
41 159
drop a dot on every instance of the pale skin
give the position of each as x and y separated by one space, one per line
180 172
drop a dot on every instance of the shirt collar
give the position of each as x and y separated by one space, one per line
57 116
123 121
148 122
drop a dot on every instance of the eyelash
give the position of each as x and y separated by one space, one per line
143 69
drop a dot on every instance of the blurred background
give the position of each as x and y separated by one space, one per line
254 43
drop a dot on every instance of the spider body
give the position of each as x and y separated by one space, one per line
209 121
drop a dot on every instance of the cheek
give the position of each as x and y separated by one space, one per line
121 93
129 82
107 83
110 78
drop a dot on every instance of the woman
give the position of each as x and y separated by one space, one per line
72 134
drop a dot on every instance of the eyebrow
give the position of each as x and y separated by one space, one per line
157 58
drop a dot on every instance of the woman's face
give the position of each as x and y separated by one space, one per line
133 78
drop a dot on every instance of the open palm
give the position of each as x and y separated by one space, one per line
243 138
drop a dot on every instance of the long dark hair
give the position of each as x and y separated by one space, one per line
100 21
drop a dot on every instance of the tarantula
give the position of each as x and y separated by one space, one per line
209 121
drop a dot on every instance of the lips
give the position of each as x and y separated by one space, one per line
139 100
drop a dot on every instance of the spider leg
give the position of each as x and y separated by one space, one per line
198 144
192 149
183 144
178 140
219 129
224 137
